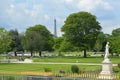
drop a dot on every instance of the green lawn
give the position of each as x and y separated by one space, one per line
41 67
74 59
18 68
55 67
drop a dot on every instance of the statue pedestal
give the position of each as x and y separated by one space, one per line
106 72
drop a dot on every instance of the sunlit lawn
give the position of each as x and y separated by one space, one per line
41 67
75 59
36 67
55 67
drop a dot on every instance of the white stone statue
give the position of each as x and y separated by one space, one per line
106 51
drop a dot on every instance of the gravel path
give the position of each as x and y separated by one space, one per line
69 63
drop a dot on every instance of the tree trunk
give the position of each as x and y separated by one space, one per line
31 53
15 53
112 54
85 55
40 53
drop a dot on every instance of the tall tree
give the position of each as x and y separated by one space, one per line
81 29
28 42
16 41
38 38
5 40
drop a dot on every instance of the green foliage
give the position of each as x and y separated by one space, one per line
10 78
5 40
47 70
16 44
60 44
57 43
114 40
60 54
99 42
38 38
66 46
116 69
114 47
81 30
119 65
116 32
75 69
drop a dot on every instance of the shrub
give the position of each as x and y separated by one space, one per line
60 54
119 65
74 69
62 71
9 78
47 70
115 69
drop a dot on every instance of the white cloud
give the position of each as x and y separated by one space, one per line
19 16
46 17
106 5
91 5
34 12
69 1
15 11
21 10
12 6
59 20
11 9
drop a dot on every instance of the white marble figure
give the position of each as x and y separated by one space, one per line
106 51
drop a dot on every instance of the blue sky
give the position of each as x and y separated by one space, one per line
21 14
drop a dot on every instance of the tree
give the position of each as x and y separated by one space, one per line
38 38
16 41
114 40
5 40
57 43
99 42
116 32
60 44
114 45
28 42
81 30
66 46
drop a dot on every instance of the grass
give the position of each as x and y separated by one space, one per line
74 59
69 59
41 67
2 57
55 67
18 68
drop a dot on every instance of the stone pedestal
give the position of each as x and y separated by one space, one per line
106 72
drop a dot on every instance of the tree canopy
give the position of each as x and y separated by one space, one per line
116 32
99 45
81 30
16 41
38 38
114 40
5 40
